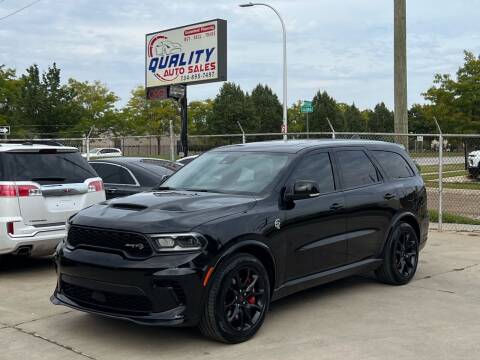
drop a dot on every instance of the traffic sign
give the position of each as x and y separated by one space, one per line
307 107
4 130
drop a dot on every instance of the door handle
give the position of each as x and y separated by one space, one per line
389 196
111 190
336 206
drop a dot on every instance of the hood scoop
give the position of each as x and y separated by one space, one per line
131 207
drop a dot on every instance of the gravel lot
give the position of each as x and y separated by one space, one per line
437 316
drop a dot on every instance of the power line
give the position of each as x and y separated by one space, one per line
19 10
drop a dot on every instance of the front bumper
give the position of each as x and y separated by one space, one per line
162 290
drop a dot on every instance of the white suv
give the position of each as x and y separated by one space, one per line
473 163
41 186
103 152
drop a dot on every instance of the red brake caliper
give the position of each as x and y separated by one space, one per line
251 299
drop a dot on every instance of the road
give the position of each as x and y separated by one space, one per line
437 316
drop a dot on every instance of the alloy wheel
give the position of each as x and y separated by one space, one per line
405 254
244 299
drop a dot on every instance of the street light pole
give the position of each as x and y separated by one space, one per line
284 30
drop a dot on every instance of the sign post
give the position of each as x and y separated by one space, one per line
187 55
307 108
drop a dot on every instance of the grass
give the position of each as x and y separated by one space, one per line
447 167
431 177
454 185
452 218
420 154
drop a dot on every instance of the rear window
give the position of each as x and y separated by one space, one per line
394 164
46 167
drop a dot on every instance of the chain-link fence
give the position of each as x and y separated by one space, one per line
453 193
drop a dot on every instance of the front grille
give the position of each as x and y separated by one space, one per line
133 245
105 299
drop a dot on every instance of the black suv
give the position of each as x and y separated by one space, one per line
241 226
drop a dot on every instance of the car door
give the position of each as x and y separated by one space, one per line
119 181
371 202
314 228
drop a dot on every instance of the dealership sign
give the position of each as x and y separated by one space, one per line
186 55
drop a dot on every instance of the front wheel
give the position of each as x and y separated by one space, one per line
237 301
400 256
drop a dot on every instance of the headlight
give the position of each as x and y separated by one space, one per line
178 242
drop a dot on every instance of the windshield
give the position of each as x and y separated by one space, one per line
94 150
229 172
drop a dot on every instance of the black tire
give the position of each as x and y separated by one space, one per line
239 289
400 256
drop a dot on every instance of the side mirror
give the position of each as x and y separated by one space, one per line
302 189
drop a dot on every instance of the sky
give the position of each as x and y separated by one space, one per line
342 46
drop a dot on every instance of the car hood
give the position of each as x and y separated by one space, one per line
162 211
475 153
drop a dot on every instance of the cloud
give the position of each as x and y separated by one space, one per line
342 46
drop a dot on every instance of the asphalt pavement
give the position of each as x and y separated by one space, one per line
436 316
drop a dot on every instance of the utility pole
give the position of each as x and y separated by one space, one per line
400 70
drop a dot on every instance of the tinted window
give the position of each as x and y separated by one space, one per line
316 167
113 174
48 167
357 169
394 164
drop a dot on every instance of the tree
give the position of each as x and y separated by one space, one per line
353 120
380 119
324 107
9 93
456 102
198 113
267 110
420 119
230 106
96 104
148 117
45 104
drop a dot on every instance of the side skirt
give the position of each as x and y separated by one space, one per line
324 277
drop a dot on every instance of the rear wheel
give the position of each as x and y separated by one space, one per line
237 300
400 256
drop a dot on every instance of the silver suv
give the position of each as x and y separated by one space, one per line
41 186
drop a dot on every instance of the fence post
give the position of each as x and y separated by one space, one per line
331 128
172 140
440 176
87 143
243 132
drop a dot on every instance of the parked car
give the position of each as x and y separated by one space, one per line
244 225
40 187
124 176
104 153
474 163
187 160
